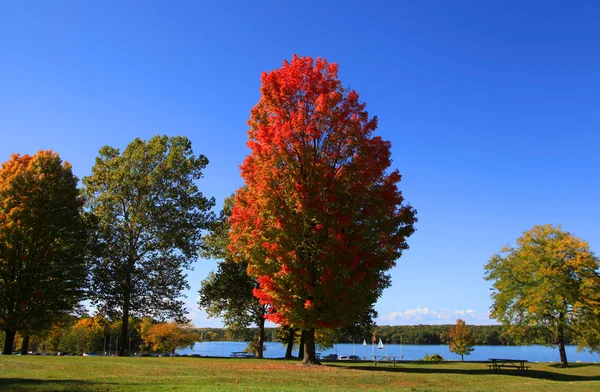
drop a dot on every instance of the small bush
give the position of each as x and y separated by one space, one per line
434 357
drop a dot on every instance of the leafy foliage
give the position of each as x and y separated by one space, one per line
460 339
361 329
86 335
150 215
166 337
433 334
433 357
547 286
42 243
320 219
227 293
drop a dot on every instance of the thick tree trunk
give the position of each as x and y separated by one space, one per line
462 357
290 343
9 338
310 357
301 347
261 338
25 345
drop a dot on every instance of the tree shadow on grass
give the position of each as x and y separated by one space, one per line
574 365
484 371
29 384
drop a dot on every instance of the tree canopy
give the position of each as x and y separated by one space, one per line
546 286
167 337
150 216
42 243
460 339
321 218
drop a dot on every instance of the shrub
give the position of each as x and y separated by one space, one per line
434 357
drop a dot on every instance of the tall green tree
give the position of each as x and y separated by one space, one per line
321 219
546 288
150 215
42 243
227 293
460 339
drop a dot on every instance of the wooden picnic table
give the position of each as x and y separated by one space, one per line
384 358
502 363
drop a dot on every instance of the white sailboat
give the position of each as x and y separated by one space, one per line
380 345
364 342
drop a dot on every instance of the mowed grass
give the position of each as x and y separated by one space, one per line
38 373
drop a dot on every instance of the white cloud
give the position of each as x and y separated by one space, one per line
429 316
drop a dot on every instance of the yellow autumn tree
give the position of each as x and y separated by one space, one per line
166 337
89 332
546 288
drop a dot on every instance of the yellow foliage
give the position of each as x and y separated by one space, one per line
166 337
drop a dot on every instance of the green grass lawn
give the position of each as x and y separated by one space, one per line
38 373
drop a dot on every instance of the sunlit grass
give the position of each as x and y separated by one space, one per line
35 373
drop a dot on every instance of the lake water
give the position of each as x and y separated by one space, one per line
408 352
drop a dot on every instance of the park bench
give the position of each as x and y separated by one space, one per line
505 363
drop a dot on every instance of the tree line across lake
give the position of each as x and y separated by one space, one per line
483 335
145 335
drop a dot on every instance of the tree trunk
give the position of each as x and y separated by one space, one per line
309 348
261 338
563 354
290 343
123 349
462 357
561 341
9 339
25 345
301 347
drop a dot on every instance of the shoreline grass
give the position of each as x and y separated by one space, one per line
39 373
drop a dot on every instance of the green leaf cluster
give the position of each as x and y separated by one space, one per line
150 216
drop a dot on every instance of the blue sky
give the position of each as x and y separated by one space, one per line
492 108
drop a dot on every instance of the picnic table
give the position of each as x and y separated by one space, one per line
502 363
384 358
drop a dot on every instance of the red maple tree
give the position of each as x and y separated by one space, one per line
321 218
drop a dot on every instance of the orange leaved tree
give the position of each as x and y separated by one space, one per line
460 339
321 218
42 243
